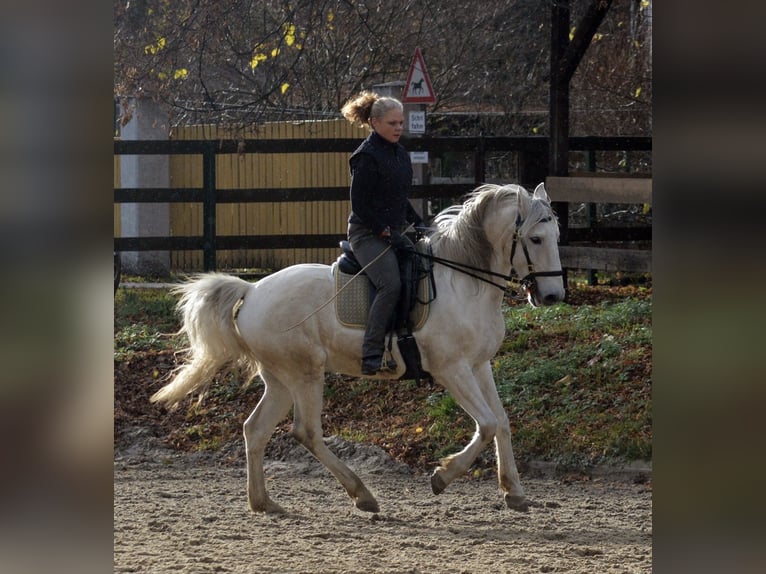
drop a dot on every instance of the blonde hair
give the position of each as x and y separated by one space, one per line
366 105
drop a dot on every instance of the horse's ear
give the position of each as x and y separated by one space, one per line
540 193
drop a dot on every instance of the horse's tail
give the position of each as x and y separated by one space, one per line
208 306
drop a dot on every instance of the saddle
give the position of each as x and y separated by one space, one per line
355 292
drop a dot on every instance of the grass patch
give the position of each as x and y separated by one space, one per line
154 308
144 321
579 390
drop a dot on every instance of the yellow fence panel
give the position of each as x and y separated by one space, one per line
264 170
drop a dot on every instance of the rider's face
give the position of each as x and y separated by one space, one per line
390 126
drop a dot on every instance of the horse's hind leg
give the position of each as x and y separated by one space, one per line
307 429
258 428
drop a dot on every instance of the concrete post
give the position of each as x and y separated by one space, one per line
148 122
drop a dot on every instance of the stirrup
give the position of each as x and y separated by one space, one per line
375 365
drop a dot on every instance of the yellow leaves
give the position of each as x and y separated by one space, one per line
330 18
257 59
154 48
289 30
644 4
284 87
572 33
261 52
291 35
637 92
646 209
179 74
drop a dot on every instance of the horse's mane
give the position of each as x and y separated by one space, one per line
460 232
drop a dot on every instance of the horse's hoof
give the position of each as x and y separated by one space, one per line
437 483
367 505
268 508
516 502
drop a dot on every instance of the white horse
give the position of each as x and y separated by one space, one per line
261 326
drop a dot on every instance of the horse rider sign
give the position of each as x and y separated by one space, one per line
418 89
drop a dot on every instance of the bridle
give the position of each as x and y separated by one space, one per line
528 283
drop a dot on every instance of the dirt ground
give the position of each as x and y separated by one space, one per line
187 513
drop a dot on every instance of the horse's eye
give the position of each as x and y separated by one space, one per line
536 240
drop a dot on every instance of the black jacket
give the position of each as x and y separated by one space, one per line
381 178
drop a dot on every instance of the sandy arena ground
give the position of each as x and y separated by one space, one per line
188 513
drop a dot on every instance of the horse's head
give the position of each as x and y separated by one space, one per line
535 251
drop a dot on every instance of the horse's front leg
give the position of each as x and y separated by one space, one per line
460 382
507 473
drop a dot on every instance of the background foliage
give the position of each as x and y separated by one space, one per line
243 61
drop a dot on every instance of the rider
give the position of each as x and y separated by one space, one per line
381 178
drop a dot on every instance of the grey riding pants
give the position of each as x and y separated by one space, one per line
384 274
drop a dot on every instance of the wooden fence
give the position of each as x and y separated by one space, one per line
603 189
282 197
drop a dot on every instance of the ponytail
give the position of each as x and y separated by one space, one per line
366 105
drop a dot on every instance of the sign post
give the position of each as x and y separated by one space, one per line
418 92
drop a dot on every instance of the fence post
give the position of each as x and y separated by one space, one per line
209 207
591 212
559 106
533 167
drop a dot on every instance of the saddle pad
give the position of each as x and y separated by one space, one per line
352 304
352 301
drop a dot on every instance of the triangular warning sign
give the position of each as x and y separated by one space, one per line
418 88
